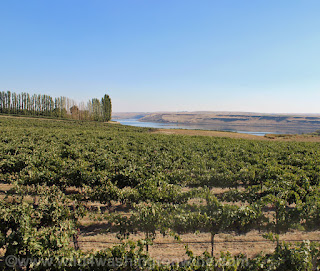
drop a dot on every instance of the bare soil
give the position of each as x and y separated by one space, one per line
165 247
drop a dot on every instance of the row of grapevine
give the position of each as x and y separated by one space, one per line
38 237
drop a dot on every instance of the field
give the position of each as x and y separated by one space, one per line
106 184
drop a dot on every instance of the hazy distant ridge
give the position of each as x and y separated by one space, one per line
209 118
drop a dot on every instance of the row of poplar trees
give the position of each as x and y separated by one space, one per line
61 107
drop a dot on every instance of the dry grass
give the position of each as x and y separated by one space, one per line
271 137
207 133
4 188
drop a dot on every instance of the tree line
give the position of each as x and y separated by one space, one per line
61 107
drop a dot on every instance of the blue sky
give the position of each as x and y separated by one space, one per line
166 55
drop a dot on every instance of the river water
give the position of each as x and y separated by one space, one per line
137 123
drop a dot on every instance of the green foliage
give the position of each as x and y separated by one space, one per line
105 193
106 107
44 229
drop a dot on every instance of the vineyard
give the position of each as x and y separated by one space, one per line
131 188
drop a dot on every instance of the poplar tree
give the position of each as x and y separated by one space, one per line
106 107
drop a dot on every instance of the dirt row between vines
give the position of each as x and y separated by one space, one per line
94 235
165 247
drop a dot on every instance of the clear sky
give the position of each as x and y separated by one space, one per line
166 55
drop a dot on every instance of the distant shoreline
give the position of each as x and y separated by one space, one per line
231 121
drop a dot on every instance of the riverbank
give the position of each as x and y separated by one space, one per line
241 122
